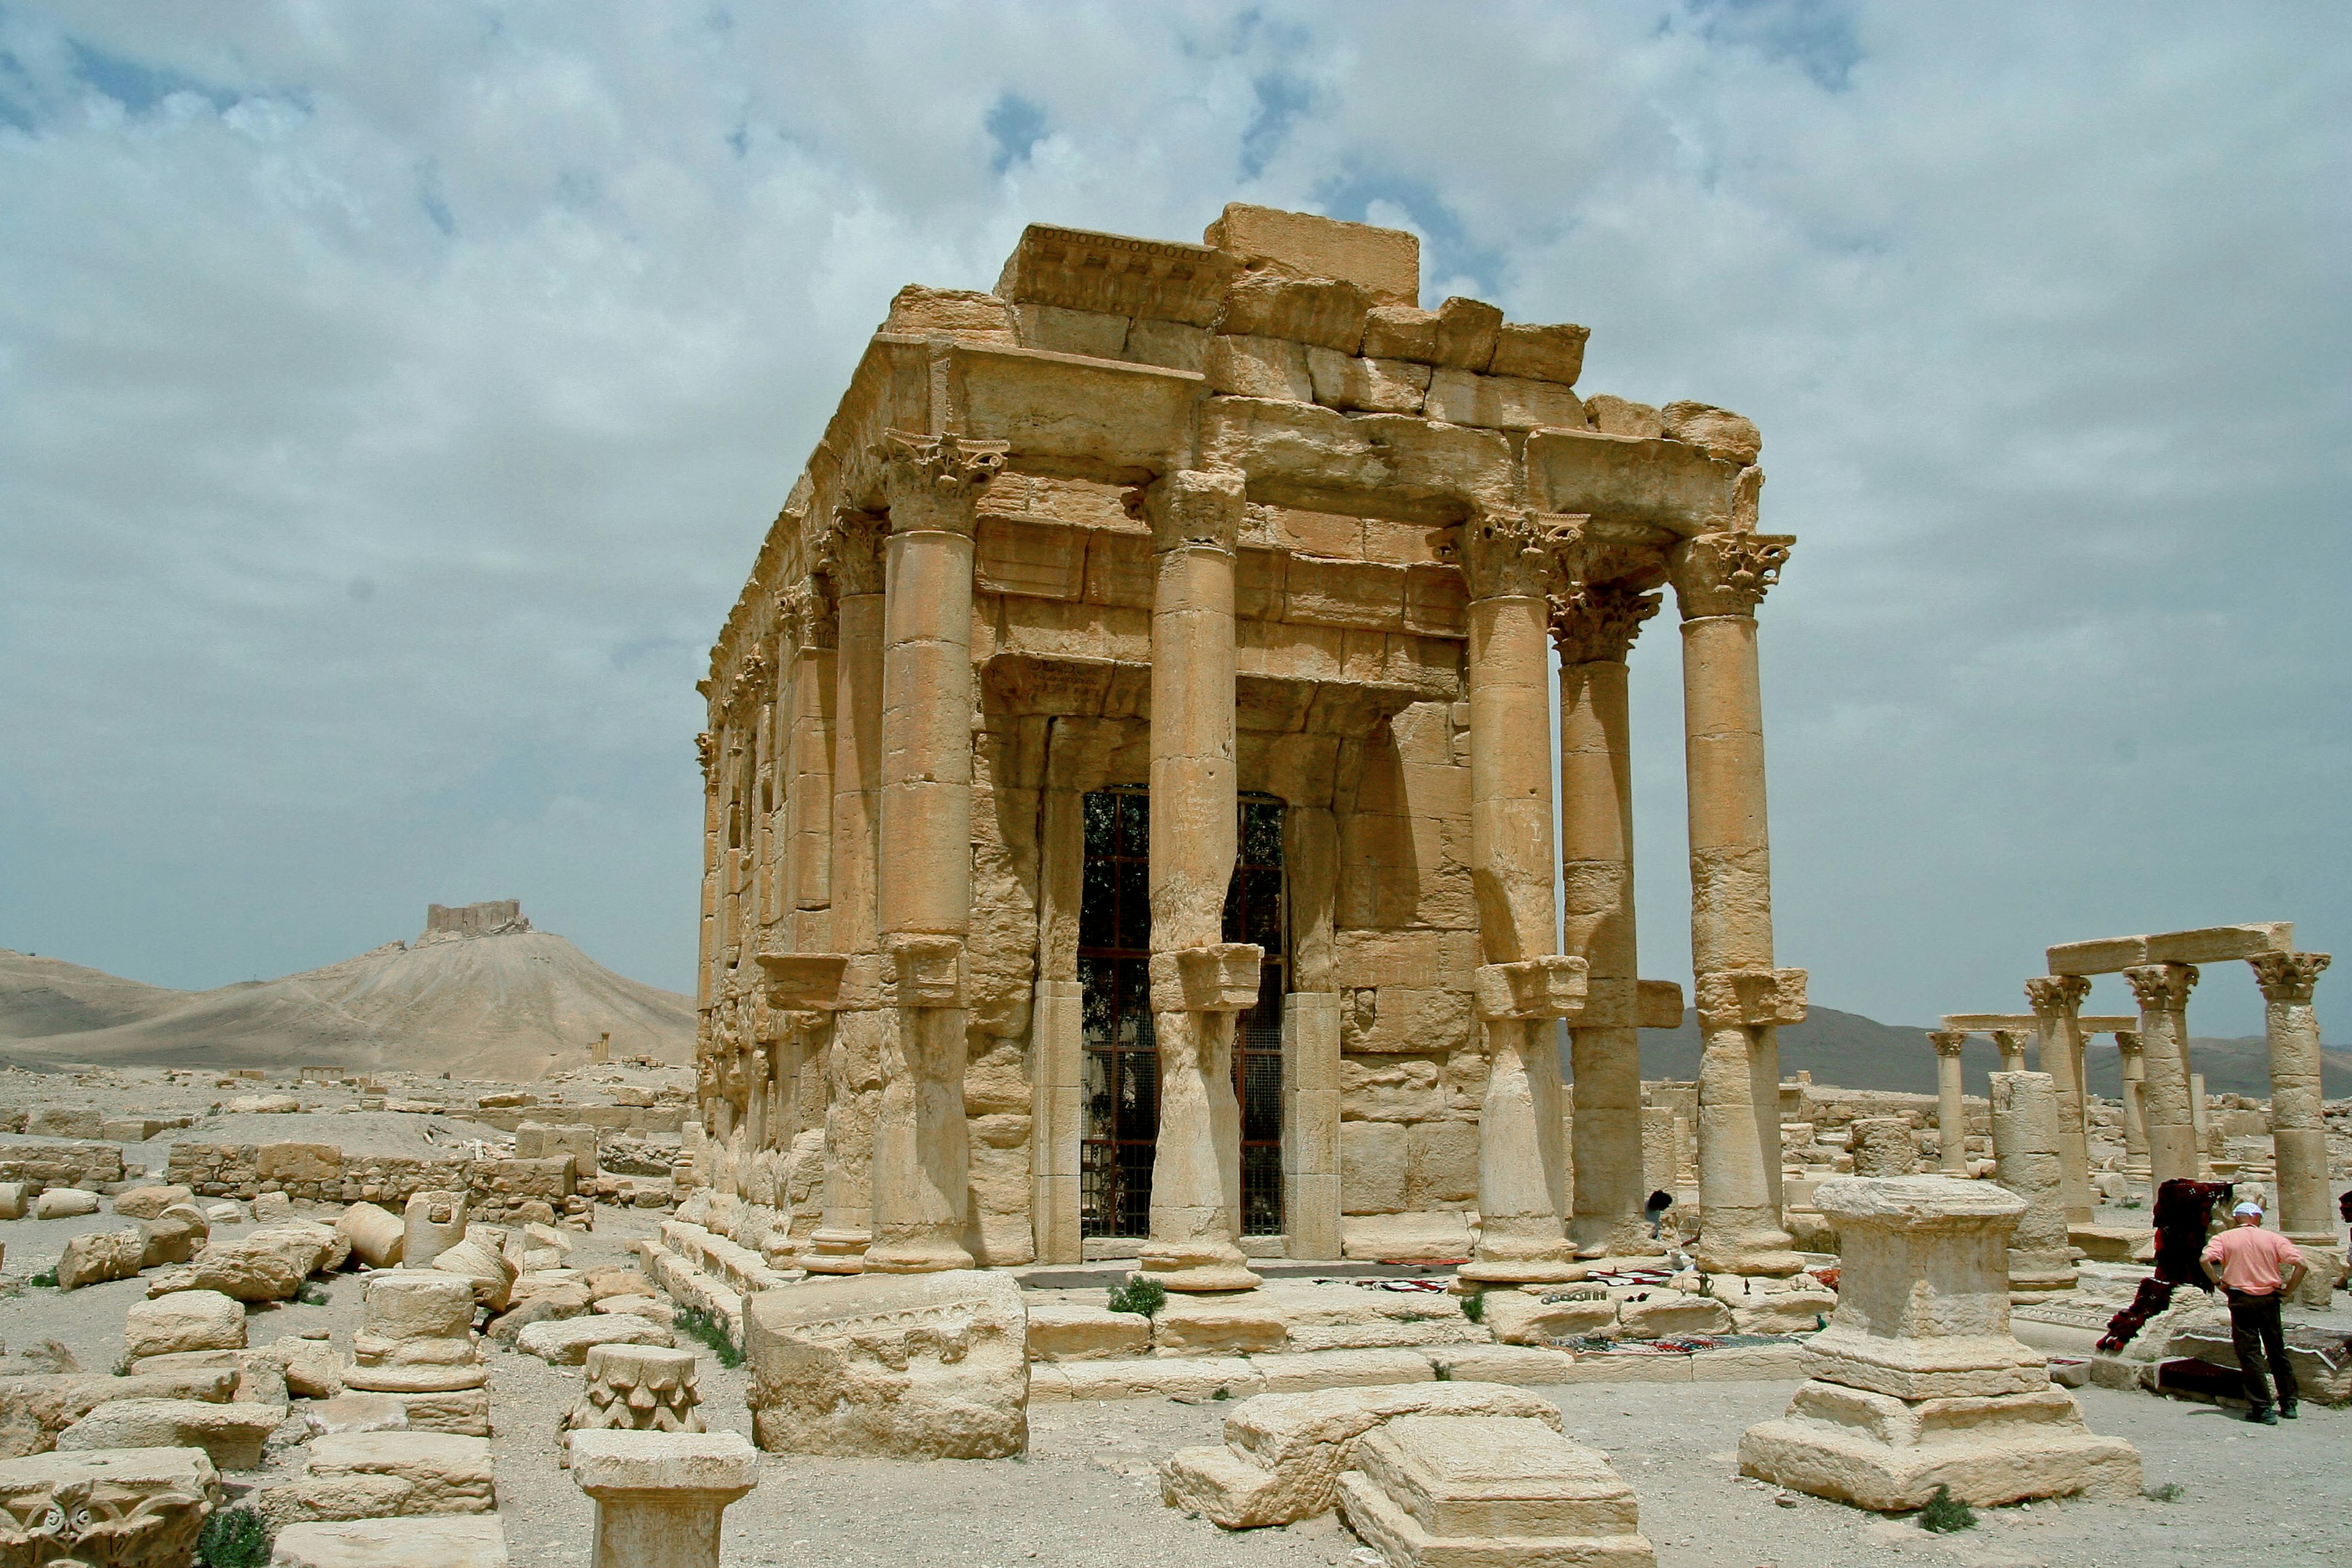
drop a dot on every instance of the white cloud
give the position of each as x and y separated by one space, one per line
391 402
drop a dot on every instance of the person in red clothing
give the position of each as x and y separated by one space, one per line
2257 1268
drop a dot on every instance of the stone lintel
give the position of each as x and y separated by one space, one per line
1750 998
805 981
2207 945
1630 479
1658 1005
929 968
1986 1023
1553 986
1222 977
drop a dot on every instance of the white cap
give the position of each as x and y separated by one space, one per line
2248 1206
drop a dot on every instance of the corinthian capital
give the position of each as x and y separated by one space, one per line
805 611
931 480
1948 1042
754 681
2162 987
1596 623
2287 976
706 752
848 555
1191 506
2051 994
1727 574
1516 555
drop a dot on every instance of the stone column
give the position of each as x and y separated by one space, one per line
659 1495
2135 1097
2298 1135
2201 1123
921 1153
1200 983
1719 579
1951 1103
1525 982
2025 1142
2011 1044
2162 989
1594 627
2057 1001
809 617
851 1053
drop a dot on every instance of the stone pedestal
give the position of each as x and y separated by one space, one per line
2057 1002
924 1366
1951 1103
2026 1161
2162 989
1918 1384
659 1495
416 1342
1465 1491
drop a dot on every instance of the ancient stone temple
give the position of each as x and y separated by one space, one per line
1129 823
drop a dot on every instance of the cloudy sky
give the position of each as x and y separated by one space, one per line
392 399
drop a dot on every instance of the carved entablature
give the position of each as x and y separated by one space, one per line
2287 976
1516 555
2051 994
1727 574
932 481
806 612
2161 988
755 682
848 555
706 752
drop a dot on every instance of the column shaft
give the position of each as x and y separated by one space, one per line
2162 989
2058 1016
1197 980
1951 1103
2298 1132
2134 1088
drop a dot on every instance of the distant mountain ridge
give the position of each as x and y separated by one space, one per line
513 1004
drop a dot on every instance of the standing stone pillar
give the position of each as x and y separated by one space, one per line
1200 983
2011 1044
850 1054
2162 989
659 1495
2057 1001
1719 579
922 1163
1525 982
2298 1135
1594 627
1951 1103
2025 1142
2201 1122
2135 1097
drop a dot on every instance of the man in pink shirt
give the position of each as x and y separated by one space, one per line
2257 1268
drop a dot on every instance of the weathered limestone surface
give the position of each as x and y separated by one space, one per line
645 1388
1434 1492
230 1434
375 1475
459 1541
124 1508
1284 1453
2025 1151
1918 1383
927 1366
659 1495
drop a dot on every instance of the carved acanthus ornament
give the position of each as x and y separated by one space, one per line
806 613
932 481
2051 994
755 682
2127 1042
2010 1043
706 752
1516 555
2287 976
1596 623
1727 574
1948 1042
1191 506
2162 987
849 554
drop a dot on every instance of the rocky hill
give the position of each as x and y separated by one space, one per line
475 995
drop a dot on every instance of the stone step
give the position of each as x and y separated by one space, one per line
461 1541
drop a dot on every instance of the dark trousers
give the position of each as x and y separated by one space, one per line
2255 1334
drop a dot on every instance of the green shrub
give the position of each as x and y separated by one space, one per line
2168 1492
311 1294
234 1538
698 1324
1474 1306
1140 1294
46 1277
1946 1513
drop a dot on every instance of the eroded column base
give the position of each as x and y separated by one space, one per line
833 1251
1762 1248
1522 1259
921 1253
1196 1266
